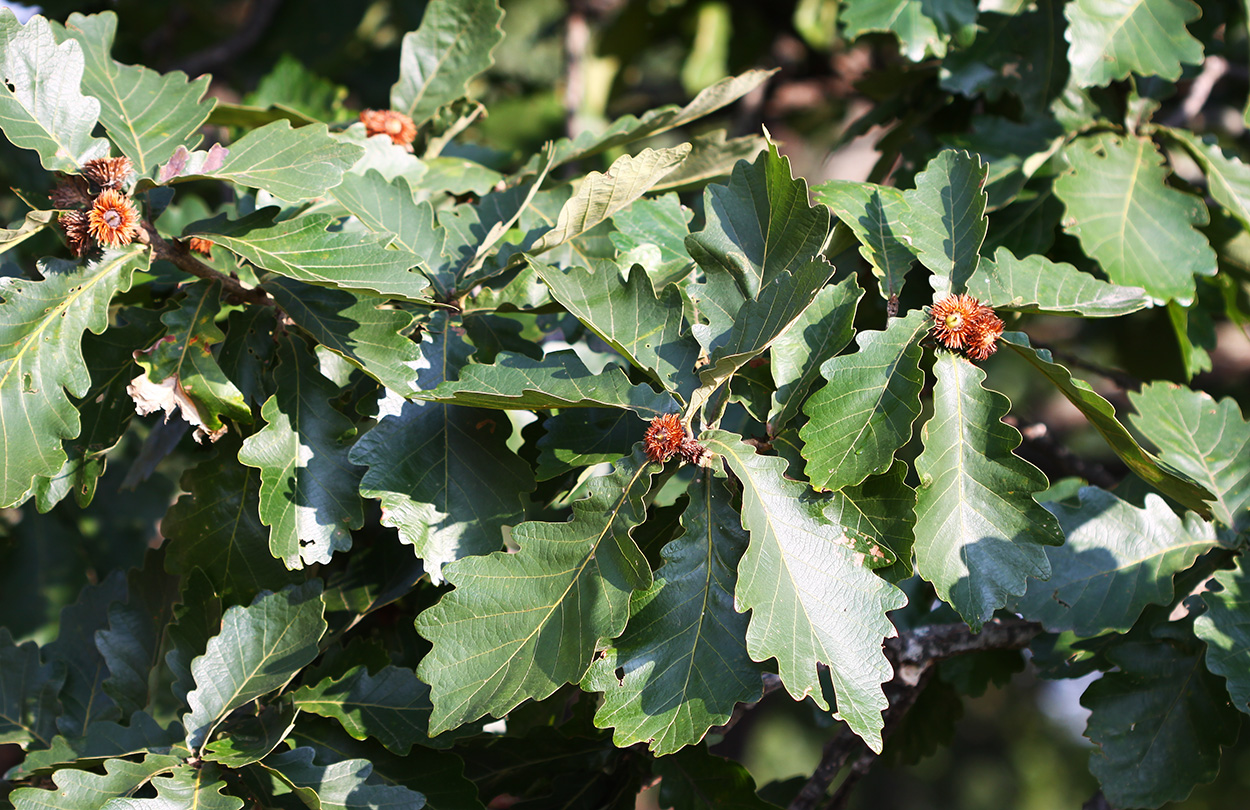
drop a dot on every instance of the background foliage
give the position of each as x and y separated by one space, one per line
429 508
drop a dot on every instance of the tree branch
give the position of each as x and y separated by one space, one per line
1214 68
178 254
576 45
913 655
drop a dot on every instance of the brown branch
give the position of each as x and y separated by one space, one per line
178 254
913 655
1214 68
576 45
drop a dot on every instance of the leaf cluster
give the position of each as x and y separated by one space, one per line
425 557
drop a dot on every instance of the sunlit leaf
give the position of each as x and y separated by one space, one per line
1117 560
186 788
357 326
104 411
979 532
866 410
1142 231
570 585
291 164
147 114
438 60
630 317
559 380
41 102
712 156
41 362
601 195
32 223
103 740
1207 440
85 790
682 664
308 488
1167 477
878 216
948 225
304 250
1109 39
923 28
812 599
184 358
630 128
1228 178
1036 284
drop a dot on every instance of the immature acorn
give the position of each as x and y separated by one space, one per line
108 173
113 220
666 437
395 125
962 323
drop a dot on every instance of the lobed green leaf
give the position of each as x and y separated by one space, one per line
84 790
1167 479
1117 560
1207 440
948 224
568 593
1036 284
437 61
1225 627
41 328
878 216
308 489
601 195
357 326
392 706
304 250
147 114
444 474
1159 722
627 314
259 649
866 410
41 102
812 598
979 532
682 664
28 693
1110 39
1142 232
